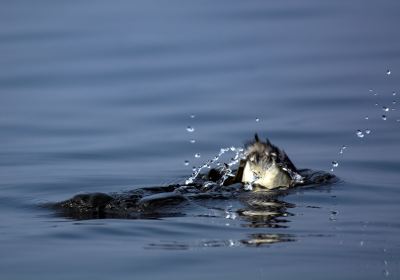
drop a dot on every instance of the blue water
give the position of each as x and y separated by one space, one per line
97 95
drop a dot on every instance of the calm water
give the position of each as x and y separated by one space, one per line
96 96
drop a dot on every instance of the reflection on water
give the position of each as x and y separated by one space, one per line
260 210
272 214
256 210
253 240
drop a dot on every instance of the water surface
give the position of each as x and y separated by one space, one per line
98 96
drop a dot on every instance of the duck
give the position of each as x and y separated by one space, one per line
264 172
265 167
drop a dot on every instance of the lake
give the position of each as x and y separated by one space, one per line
98 97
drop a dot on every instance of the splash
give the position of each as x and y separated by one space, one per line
334 164
344 147
387 115
225 168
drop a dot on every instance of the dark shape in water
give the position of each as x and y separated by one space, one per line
261 206
258 209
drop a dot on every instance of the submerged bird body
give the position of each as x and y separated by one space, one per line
264 167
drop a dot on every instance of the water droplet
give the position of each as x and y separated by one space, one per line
376 104
367 131
384 117
197 155
335 164
194 169
233 149
394 102
342 149
189 129
388 72
192 141
386 109
394 93
186 162
257 119
192 116
366 117
360 134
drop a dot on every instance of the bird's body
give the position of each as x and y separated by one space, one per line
264 167
267 167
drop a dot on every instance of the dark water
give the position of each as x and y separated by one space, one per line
96 96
